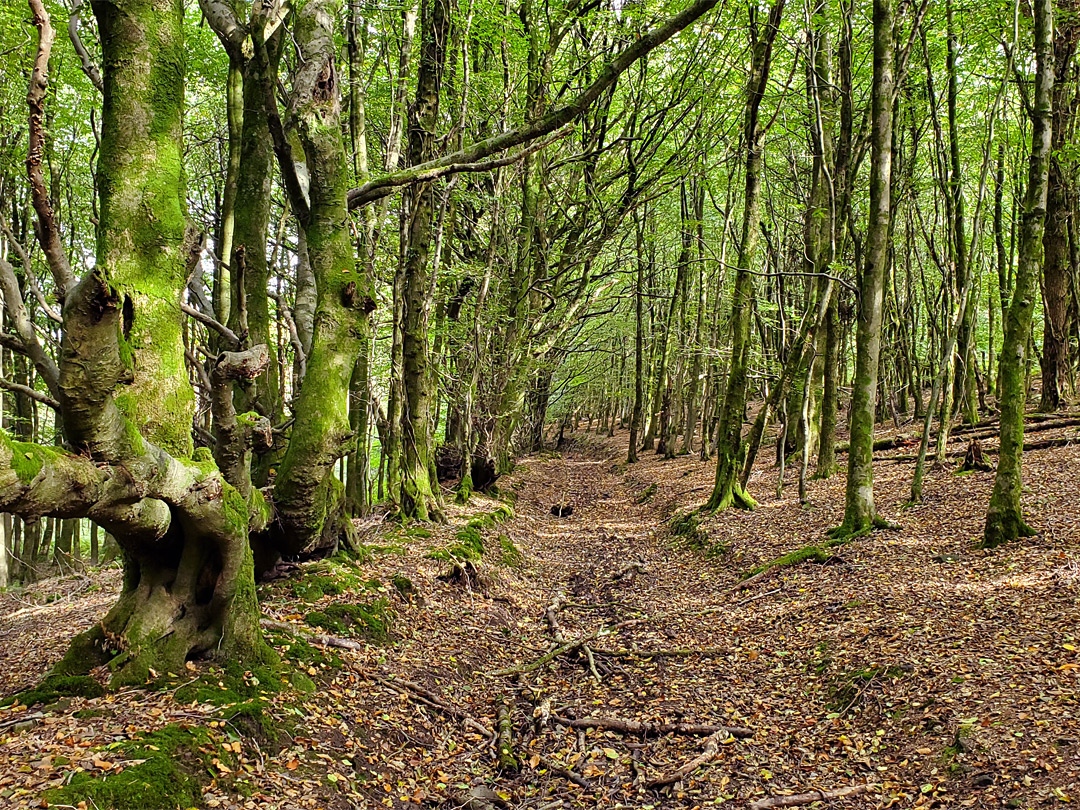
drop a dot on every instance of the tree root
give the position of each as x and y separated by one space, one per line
708 754
799 799
622 726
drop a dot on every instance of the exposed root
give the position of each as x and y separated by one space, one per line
708 754
800 799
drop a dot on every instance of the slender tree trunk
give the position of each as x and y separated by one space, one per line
727 489
860 514
1004 516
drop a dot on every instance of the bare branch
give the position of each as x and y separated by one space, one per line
31 277
24 327
88 66
48 232
33 393
211 323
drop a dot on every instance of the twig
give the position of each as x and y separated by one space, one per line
315 638
22 718
798 799
565 773
708 754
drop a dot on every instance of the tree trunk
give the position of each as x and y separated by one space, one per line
859 512
1004 516
727 490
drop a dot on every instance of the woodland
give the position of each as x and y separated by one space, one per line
474 404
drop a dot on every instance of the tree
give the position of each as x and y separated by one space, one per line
1004 515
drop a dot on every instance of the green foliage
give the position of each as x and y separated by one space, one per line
55 687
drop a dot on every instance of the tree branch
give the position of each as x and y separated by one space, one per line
211 323
48 232
561 116
24 327
33 393
88 66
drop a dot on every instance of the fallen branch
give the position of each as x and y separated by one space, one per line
504 746
708 754
799 799
22 718
565 773
629 571
653 729
680 652
316 638
569 646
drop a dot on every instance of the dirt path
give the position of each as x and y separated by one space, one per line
934 675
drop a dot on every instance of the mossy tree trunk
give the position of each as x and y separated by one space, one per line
419 495
860 514
1061 203
727 489
308 497
1004 516
125 402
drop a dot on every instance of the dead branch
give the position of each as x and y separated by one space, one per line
315 638
799 799
653 729
629 571
565 773
48 232
707 755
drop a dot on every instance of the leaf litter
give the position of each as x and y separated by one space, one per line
908 671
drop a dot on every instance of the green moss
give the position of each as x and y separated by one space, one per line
231 684
314 588
511 554
468 545
28 459
644 497
176 761
404 586
55 687
417 531
371 621
687 528
299 651
815 554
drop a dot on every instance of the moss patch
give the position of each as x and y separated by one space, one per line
816 554
177 760
511 555
647 494
371 621
55 687
687 528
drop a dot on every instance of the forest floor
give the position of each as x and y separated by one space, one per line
908 666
